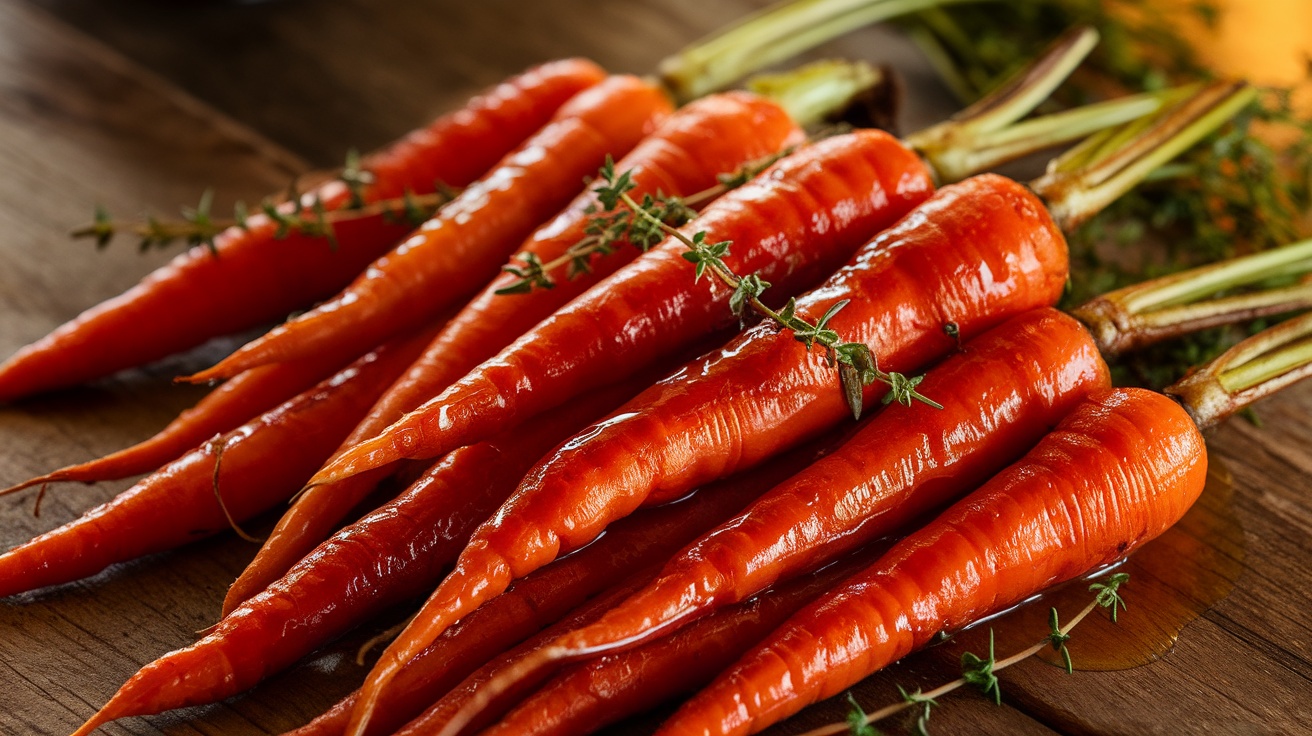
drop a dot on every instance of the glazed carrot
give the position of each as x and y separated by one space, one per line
793 224
177 505
256 280
1001 394
391 555
594 694
225 408
974 254
449 256
1119 471
453 701
684 156
644 540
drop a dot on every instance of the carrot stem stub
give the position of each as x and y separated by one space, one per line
1119 471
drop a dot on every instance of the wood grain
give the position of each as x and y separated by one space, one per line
120 103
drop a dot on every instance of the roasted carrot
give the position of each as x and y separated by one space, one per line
974 254
685 155
793 224
1119 471
1001 394
459 249
227 407
391 555
594 694
255 280
644 540
180 503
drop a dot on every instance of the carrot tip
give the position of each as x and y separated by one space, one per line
101 717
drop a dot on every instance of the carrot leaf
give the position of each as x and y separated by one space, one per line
1107 595
356 178
1058 639
926 704
857 722
979 672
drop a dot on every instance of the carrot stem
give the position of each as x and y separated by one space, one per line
1173 305
1076 194
814 92
778 32
1253 369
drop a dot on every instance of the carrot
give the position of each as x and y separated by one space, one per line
1120 470
700 141
463 245
178 504
540 599
1001 394
225 408
974 254
594 694
391 555
793 224
256 280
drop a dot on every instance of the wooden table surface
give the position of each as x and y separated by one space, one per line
143 104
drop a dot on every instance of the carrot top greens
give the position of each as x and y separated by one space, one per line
1234 194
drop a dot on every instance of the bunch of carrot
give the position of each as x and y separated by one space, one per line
530 422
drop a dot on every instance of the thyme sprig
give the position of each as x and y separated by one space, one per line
307 215
610 229
979 671
856 362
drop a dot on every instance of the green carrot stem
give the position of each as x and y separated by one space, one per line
1074 196
772 35
1253 369
817 91
1175 305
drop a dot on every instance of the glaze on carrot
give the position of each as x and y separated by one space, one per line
177 504
644 540
975 254
592 695
1119 471
1001 394
684 156
257 278
794 224
461 248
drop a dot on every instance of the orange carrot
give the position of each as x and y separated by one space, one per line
1119 471
1004 391
594 694
254 280
685 155
793 225
974 254
644 540
449 256
181 502
391 555
225 408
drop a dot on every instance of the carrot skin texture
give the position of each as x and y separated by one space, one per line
975 254
446 259
176 505
701 140
257 278
1119 471
544 597
793 225
592 695
389 556
1001 394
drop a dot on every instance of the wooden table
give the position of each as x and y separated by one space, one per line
143 104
